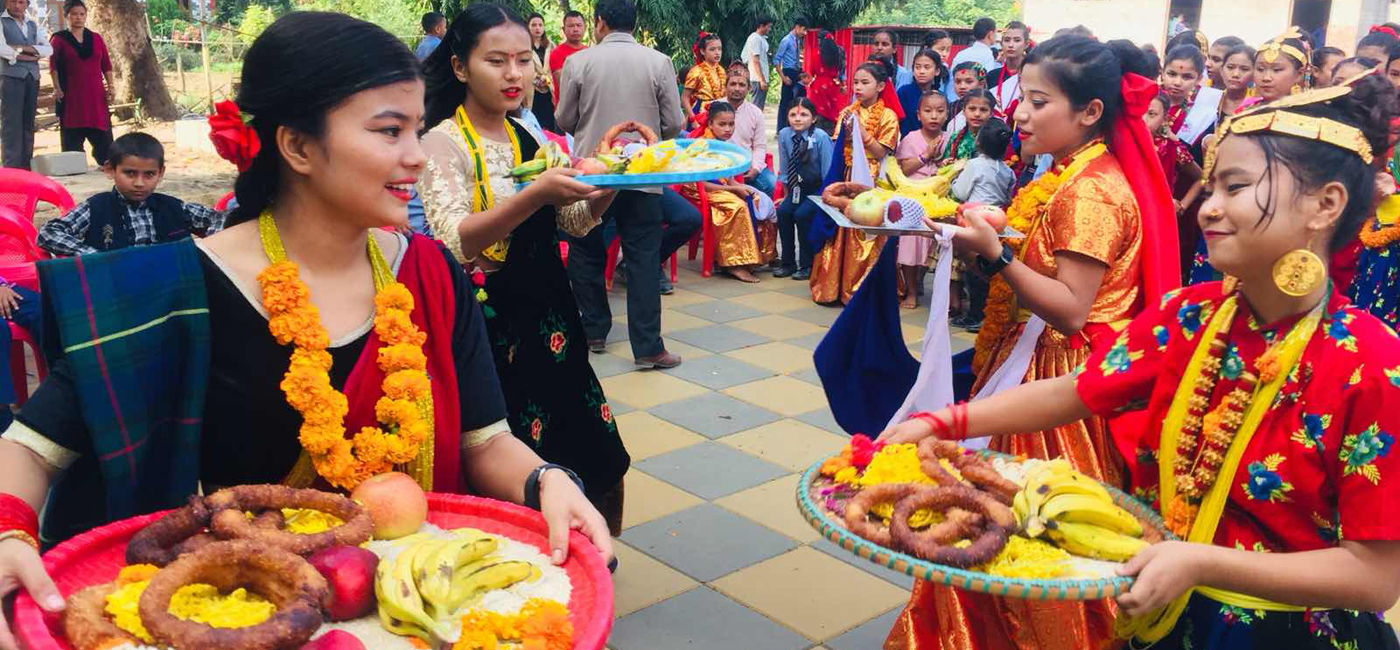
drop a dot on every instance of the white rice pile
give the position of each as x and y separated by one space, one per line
1015 471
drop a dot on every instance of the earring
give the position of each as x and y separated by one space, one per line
1299 272
1295 89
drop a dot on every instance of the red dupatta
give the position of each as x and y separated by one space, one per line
1132 146
425 273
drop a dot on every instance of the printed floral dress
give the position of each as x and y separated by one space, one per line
554 400
1319 469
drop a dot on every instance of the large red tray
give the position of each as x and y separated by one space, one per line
96 557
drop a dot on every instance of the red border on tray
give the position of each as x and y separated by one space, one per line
96 556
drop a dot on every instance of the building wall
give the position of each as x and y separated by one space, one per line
1141 21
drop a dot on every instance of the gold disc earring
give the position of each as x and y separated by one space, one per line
1299 272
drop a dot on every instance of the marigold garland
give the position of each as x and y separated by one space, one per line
1024 215
539 625
1379 236
292 319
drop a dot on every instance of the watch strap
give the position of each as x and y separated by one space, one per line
532 483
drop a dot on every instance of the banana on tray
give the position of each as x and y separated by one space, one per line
1077 514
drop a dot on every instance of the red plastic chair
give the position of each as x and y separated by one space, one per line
610 266
18 253
222 205
21 190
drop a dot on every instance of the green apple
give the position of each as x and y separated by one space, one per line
868 209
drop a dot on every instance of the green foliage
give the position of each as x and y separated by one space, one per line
228 12
255 19
167 52
162 13
403 18
672 25
946 13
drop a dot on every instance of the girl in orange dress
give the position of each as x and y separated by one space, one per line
1100 246
705 81
740 244
848 255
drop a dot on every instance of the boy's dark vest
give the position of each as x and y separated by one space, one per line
812 173
109 229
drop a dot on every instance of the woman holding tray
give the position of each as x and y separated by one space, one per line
1100 246
1270 448
510 241
171 360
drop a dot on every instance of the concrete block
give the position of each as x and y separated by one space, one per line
193 135
67 163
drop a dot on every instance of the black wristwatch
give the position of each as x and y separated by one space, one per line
993 267
532 483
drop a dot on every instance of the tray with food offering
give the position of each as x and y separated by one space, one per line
978 520
270 567
650 163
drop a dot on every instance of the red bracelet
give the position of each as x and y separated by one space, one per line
15 514
940 428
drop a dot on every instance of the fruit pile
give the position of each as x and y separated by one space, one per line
1077 514
897 201
662 157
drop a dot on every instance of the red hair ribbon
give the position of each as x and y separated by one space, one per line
696 48
234 140
1132 146
1384 30
702 123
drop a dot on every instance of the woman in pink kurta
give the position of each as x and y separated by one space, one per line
914 251
79 66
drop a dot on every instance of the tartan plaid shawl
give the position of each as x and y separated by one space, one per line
133 325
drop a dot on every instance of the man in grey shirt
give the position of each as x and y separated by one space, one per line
755 56
24 45
615 81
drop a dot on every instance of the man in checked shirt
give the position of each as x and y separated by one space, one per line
132 214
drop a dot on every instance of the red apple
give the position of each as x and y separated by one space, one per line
335 640
396 504
350 572
990 213
590 166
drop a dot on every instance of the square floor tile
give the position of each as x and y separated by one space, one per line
916 316
647 389
868 635
782 394
777 327
816 315
772 504
960 345
719 371
646 435
675 320
611 365
888 575
822 419
718 338
809 375
687 352
719 311
778 356
714 415
707 541
617 300
773 302
789 443
798 288
710 469
795 589
808 342
701 619
683 297
912 333
641 581
723 286
620 408
618 333
649 499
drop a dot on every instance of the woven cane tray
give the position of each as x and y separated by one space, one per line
833 529
97 555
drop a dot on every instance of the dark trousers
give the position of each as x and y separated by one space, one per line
680 220
977 287
28 317
790 92
100 139
637 216
19 101
794 218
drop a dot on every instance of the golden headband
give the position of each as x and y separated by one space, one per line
1269 118
1269 53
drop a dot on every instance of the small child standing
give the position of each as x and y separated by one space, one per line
918 154
977 107
804 155
1172 153
133 213
986 179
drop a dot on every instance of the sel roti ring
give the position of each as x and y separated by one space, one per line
230 522
840 195
630 126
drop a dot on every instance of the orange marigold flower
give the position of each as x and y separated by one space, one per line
399 449
371 445
395 411
402 357
411 385
136 573
395 327
393 296
318 440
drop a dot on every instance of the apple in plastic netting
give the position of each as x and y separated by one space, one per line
990 213
868 209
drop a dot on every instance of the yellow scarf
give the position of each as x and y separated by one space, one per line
1153 626
483 198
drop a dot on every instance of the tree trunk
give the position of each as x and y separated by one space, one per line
564 6
122 24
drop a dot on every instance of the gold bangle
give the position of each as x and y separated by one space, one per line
20 535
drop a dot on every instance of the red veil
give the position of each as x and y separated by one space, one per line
1132 147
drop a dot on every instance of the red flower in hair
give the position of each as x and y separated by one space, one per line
233 139
696 48
1384 30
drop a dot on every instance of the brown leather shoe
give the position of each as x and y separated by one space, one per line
597 346
663 361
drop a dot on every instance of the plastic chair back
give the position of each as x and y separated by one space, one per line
18 250
21 190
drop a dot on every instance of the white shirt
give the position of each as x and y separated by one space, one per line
41 41
979 52
756 45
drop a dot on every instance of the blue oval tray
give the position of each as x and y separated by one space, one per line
1035 589
635 181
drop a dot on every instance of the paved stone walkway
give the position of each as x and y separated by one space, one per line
714 553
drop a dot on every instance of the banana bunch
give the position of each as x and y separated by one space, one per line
548 156
422 590
931 193
1077 514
